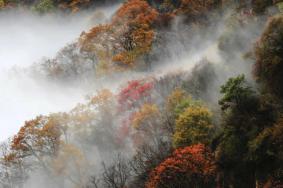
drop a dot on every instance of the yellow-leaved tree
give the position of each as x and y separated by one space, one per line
193 126
2 4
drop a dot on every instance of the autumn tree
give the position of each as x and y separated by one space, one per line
135 94
193 126
136 17
146 116
71 165
2 4
190 121
35 145
102 132
13 170
148 127
191 166
172 107
175 99
38 138
126 40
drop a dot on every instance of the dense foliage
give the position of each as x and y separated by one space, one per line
46 6
269 59
191 166
208 125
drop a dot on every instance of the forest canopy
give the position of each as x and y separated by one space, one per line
191 96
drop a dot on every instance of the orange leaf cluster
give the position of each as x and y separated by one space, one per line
129 35
136 17
37 135
193 164
104 96
93 35
135 12
148 112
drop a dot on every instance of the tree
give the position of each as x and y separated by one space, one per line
191 166
44 6
238 104
148 126
148 113
201 81
2 4
135 94
137 18
34 147
174 100
116 175
70 164
193 126
13 170
236 93
244 115
259 6
268 69
38 138
103 125
126 40
173 107
146 158
196 11
267 151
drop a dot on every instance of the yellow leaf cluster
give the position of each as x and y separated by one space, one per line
146 113
193 126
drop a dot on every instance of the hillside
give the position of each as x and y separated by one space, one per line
180 93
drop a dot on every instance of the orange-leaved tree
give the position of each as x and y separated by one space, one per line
125 40
136 17
147 124
191 166
38 139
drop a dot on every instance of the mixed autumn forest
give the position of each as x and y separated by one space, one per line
178 94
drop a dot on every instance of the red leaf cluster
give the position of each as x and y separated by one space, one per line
191 166
135 91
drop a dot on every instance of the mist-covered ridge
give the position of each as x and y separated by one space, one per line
141 93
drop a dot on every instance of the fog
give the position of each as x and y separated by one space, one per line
26 38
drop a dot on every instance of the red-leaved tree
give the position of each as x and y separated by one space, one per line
134 94
191 166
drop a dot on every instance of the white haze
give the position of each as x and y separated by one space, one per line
24 39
